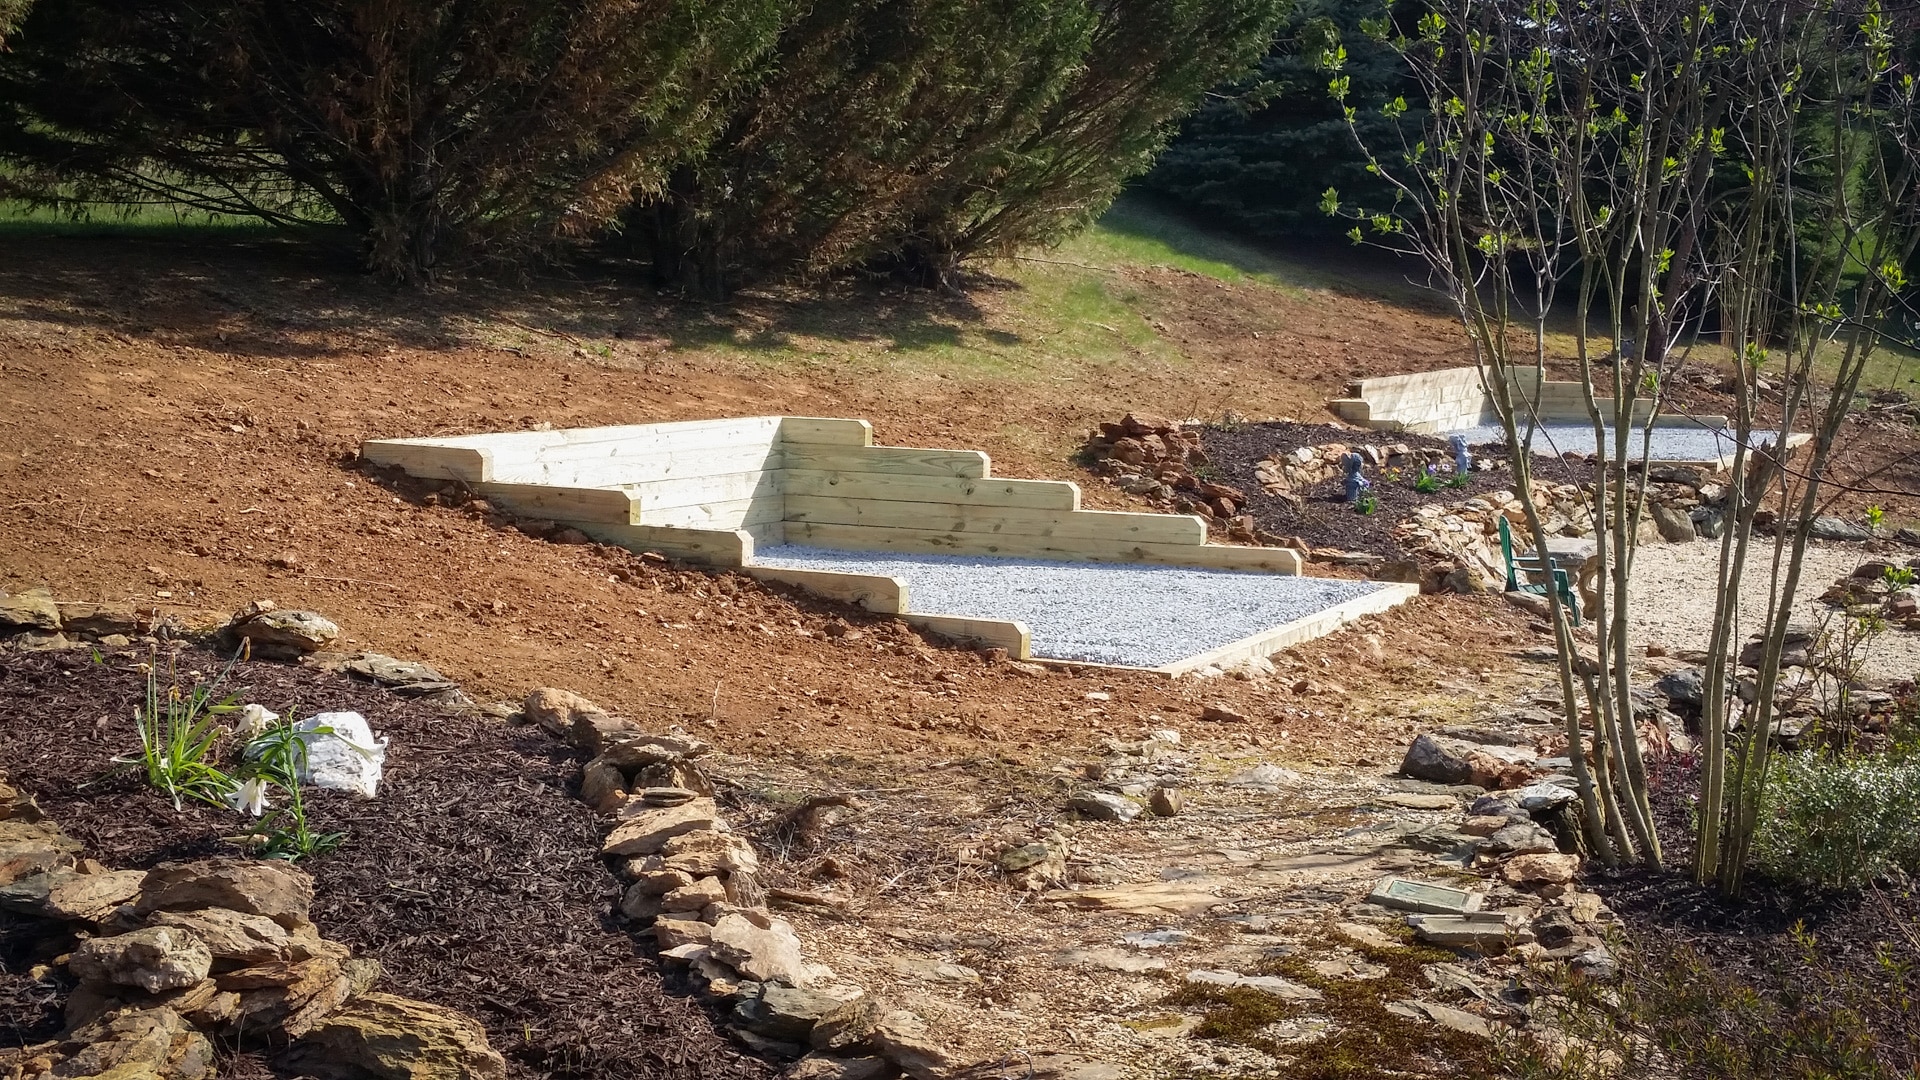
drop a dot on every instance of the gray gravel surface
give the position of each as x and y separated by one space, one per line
1678 443
1107 613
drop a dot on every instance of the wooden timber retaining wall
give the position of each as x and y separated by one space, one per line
708 491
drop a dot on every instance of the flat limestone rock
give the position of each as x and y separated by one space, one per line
70 894
771 954
231 935
133 1044
405 677
901 1037
253 886
556 710
394 1038
1446 1016
646 830
1285 989
1474 931
1104 806
1543 869
285 634
1152 898
155 959
30 610
705 853
29 847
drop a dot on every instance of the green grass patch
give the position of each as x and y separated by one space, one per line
1137 231
144 221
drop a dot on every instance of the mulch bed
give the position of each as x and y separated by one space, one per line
1756 939
1321 518
474 878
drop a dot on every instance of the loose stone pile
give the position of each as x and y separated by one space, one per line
1154 457
1451 546
1283 475
693 881
221 949
1885 588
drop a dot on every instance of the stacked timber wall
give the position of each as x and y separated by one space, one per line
1436 402
709 490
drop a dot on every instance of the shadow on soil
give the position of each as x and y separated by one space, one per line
246 291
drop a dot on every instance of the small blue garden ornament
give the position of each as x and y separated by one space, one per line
1355 483
1462 461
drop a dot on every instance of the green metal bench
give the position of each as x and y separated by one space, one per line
1527 565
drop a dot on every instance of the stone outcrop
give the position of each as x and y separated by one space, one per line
394 1038
279 633
1888 589
691 881
220 948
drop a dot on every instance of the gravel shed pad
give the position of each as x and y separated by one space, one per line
1675 443
1107 613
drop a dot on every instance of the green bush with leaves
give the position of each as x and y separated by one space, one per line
1840 823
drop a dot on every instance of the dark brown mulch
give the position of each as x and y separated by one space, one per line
1863 952
473 878
1321 518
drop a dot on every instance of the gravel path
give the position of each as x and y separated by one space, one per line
1107 613
1679 443
1673 601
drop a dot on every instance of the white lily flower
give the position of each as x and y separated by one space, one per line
255 719
249 797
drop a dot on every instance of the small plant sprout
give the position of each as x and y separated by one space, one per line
1366 504
1426 483
279 756
1898 577
179 732
1875 517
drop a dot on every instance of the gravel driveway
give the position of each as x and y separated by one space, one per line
1673 599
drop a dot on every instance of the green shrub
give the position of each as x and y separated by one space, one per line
1840 823
1800 1011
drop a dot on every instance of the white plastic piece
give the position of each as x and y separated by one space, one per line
348 758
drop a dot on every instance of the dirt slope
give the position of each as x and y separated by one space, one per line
178 426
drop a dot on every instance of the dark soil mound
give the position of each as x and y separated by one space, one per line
1321 518
474 878
1842 961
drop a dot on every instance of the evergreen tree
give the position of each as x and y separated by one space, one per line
1260 152
910 135
487 127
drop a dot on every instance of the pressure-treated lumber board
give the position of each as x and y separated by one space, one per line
654 495
888 487
819 429
713 547
999 520
580 444
993 633
875 592
429 459
1319 624
656 465
899 460
606 505
924 542
727 514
